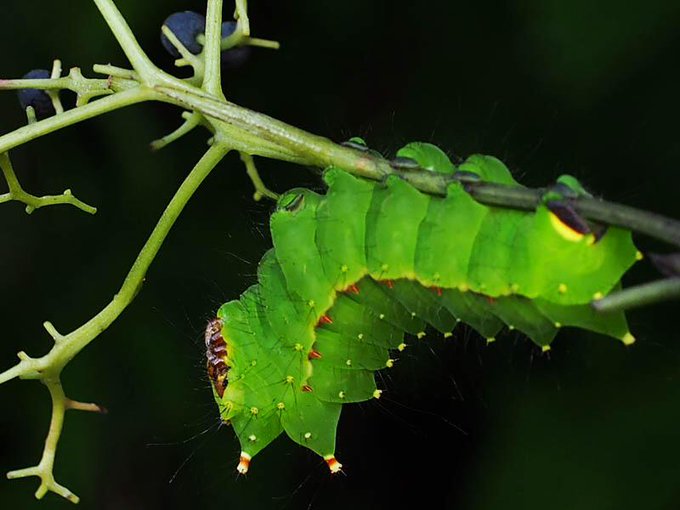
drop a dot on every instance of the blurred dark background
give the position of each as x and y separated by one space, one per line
550 86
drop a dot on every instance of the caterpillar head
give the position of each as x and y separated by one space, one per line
216 354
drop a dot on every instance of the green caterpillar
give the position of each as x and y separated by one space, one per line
354 270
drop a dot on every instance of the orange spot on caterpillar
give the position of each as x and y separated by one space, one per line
437 290
216 354
388 283
314 354
325 319
307 388
353 289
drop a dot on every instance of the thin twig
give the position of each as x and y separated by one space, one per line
640 295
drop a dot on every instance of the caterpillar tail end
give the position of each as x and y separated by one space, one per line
333 463
243 463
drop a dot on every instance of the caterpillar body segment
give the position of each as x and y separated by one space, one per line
428 157
354 271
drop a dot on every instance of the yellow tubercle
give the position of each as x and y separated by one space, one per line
628 339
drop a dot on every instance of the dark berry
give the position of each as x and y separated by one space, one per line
228 28
38 99
186 26
233 57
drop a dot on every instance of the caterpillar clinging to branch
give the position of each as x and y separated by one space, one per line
354 270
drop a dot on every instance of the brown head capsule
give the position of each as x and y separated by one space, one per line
216 354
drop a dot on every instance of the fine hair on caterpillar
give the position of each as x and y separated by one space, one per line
358 273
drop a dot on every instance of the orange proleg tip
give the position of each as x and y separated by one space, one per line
333 463
314 355
244 463
388 283
437 290
353 289
307 388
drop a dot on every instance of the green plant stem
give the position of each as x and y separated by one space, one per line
127 40
637 220
241 14
48 368
296 145
314 150
67 346
608 213
137 272
640 295
212 81
17 193
113 102
44 470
